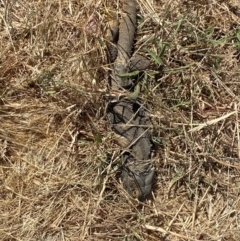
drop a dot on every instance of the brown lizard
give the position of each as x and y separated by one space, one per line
127 116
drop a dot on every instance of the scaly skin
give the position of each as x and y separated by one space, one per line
119 52
126 116
127 29
112 37
137 177
128 120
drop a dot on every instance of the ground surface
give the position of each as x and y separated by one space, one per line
59 176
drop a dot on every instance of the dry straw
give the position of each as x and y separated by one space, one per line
59 165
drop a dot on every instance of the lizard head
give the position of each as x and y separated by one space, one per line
137 178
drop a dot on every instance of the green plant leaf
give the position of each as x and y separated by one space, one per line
156 57
238 36
130 74
136 92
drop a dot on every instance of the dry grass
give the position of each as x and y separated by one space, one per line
58 165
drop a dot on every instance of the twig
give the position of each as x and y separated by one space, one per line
211 122
161 230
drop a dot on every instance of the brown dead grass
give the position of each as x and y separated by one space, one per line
58 165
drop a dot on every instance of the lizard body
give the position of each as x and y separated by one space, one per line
127 116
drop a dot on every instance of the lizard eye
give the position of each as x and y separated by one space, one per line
135 193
